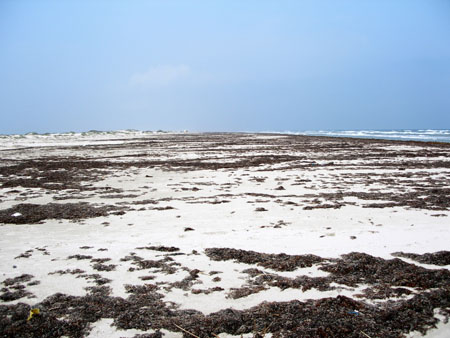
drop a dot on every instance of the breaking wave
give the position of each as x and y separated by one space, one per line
427 135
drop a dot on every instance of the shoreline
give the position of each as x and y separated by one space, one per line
98 136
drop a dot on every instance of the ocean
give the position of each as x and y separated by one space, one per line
426 135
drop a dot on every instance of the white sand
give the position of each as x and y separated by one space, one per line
236 224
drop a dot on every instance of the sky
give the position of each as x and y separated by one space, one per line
224 65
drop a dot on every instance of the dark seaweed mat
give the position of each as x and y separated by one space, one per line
424 198
387 278
352 269
14 289
34 213
279 262
437 258
144 309
358 267
160 248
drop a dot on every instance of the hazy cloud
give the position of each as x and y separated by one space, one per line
160 76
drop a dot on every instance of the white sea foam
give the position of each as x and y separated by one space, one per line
427 135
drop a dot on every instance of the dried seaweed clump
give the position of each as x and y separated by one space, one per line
440 258
14 289
355 268
279 262
33 213
160 248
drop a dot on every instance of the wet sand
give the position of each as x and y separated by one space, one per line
228 235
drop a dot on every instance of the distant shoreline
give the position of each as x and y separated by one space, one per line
420 135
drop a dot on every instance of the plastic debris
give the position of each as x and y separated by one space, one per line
354 312
16 214
33 312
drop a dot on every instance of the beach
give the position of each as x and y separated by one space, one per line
223 235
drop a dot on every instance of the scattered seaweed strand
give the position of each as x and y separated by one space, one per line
193 335
266 329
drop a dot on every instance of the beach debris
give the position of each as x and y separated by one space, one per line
35 213
15 289
19 279
67 271
188 229
25 254
168 207
144 278
96 278
440 258
79 257
331 316
279 262
104 267
161 248
184 330
236 293
33 312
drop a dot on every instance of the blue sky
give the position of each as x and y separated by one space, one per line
224 65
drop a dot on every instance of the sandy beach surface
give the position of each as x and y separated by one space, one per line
223 235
